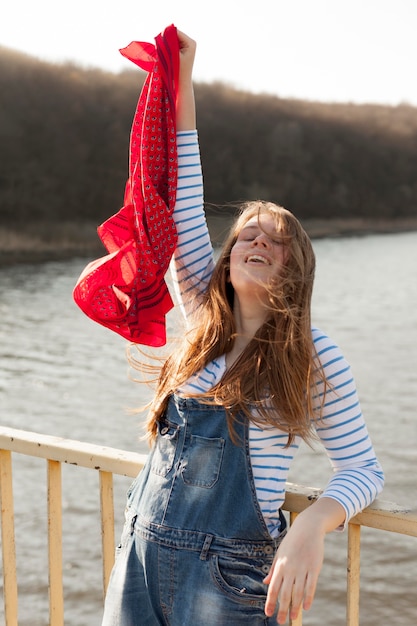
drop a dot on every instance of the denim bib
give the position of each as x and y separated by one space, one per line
197 479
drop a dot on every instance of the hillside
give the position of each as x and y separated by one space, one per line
64 134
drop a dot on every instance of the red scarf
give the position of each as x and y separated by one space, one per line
126 290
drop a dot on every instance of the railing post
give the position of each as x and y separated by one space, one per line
56 592
107 525
8 539
353 574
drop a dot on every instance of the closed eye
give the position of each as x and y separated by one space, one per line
248 234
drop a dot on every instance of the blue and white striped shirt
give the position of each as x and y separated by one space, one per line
357 477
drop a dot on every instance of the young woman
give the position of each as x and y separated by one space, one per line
205 541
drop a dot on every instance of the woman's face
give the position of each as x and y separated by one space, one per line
258 257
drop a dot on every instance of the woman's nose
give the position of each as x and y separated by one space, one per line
261 240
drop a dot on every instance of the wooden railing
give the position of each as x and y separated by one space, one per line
108 462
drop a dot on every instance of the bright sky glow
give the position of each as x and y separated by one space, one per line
329 50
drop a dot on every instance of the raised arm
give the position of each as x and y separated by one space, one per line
192 262
186 117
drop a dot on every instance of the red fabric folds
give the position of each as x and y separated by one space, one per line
126 289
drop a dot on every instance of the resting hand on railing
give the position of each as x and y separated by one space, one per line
299 558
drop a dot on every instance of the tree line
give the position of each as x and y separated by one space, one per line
64 135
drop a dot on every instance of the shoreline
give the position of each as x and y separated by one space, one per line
45 242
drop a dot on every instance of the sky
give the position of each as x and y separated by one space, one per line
361 51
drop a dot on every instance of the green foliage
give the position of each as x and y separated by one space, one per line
64 137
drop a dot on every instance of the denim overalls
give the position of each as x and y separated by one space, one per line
195 547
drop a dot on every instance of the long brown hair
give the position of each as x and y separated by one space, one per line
273 380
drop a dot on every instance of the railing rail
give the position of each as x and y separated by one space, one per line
110 461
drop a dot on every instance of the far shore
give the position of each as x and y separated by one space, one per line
50 241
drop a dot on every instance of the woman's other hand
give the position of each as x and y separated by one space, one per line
299 559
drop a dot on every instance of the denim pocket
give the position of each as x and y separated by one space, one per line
165 446
201 466
241 579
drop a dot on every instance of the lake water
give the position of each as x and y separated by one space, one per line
61 374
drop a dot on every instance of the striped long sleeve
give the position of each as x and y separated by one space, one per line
192 263
358 477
